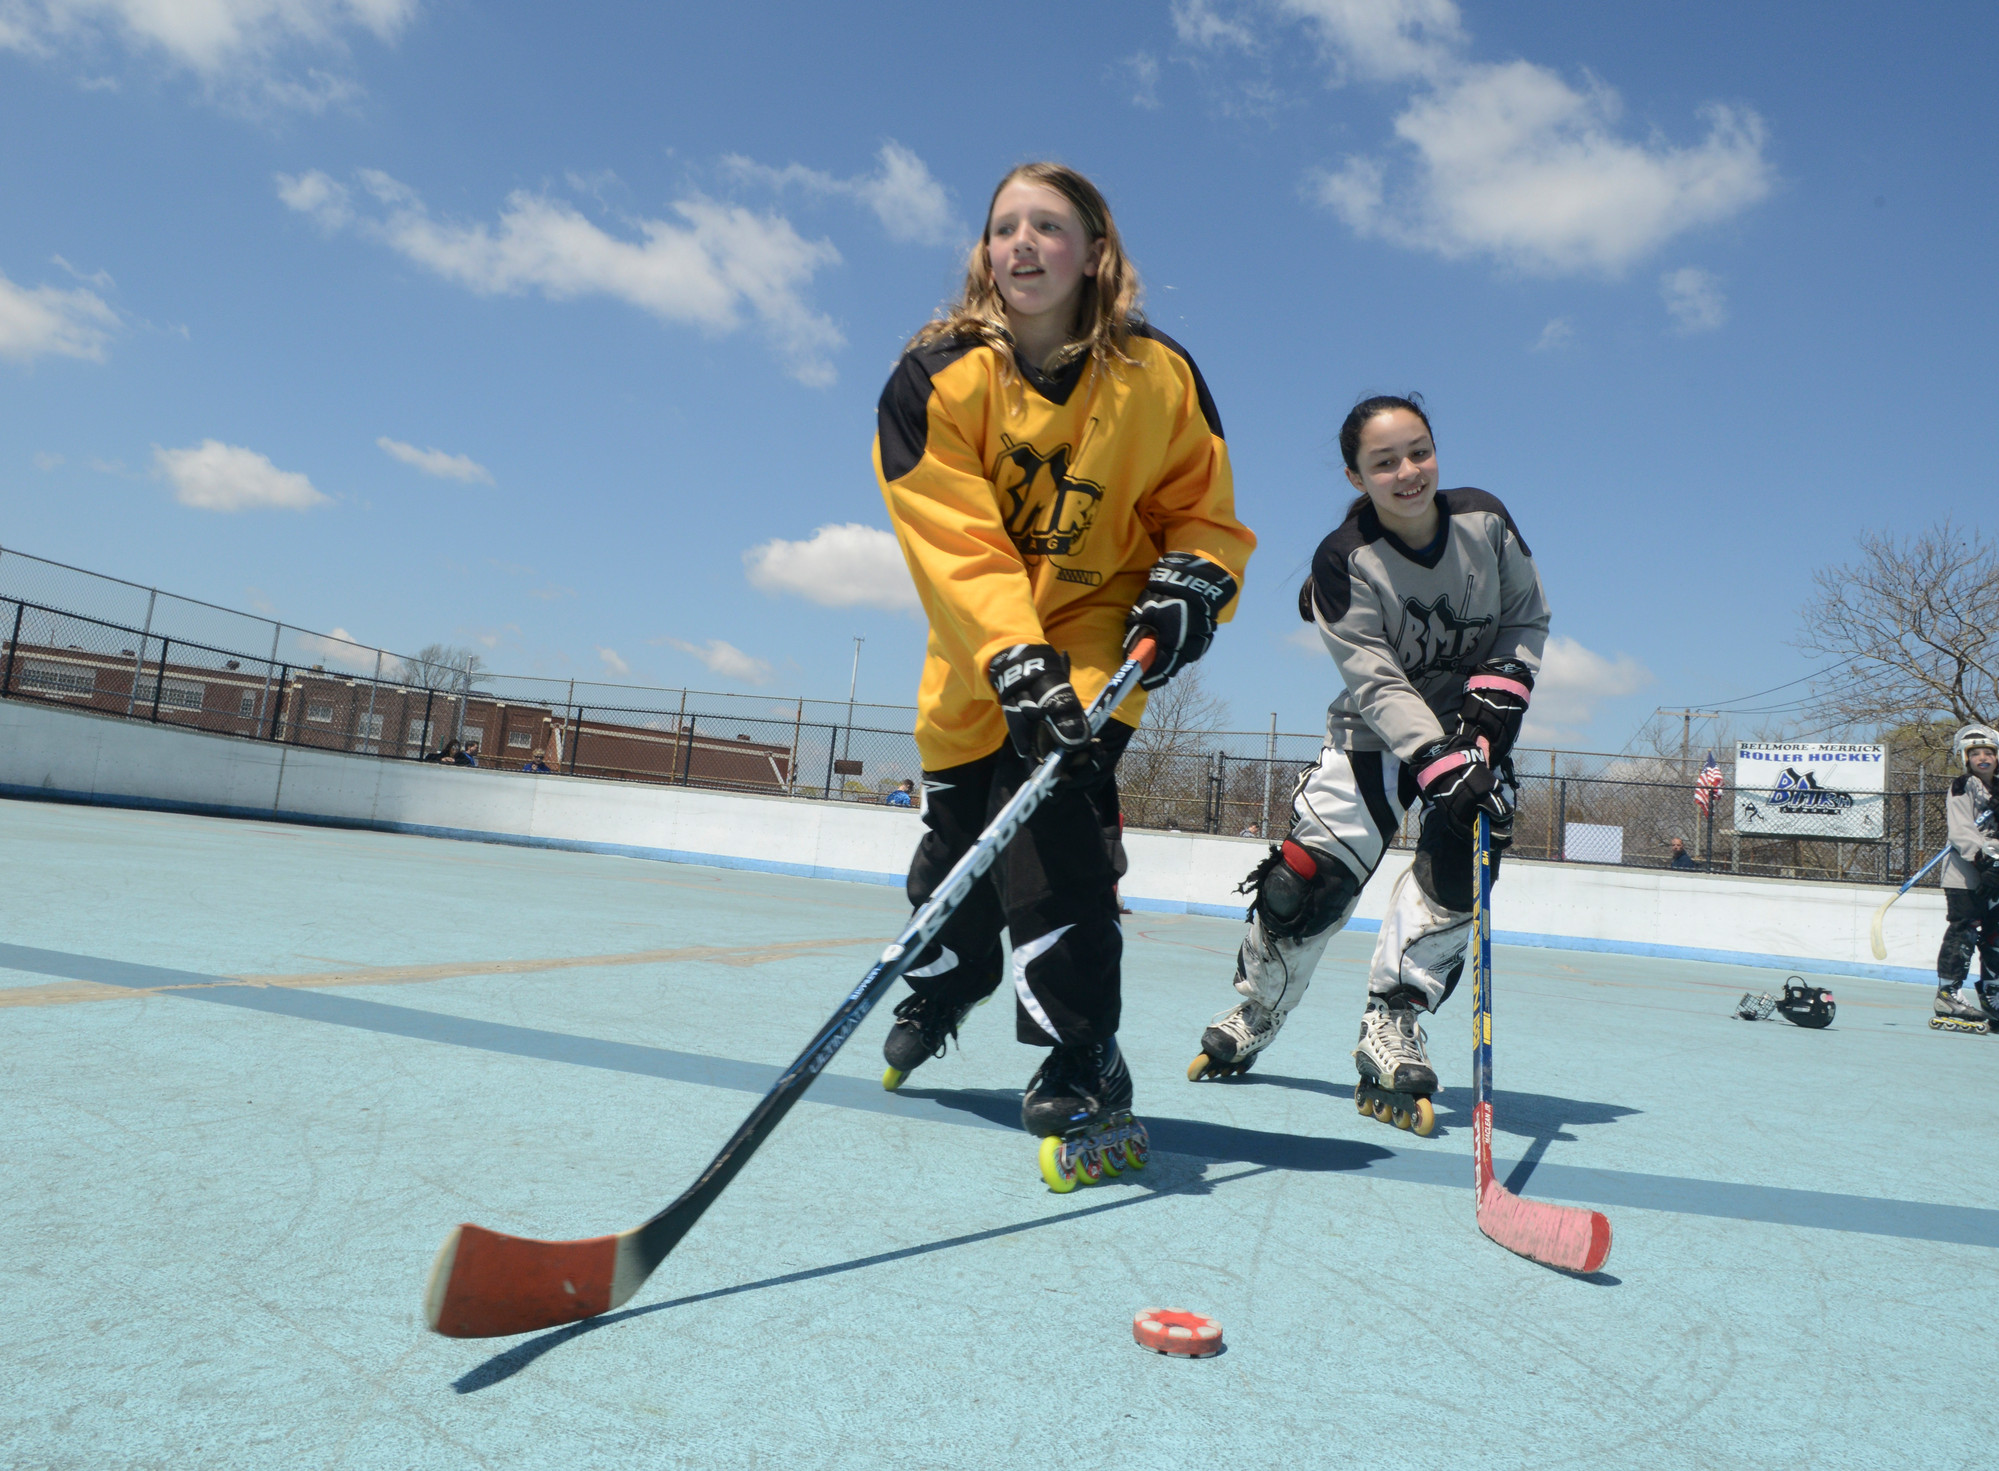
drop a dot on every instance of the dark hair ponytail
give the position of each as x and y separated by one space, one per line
1357 417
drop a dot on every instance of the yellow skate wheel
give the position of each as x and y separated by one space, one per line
1425 1119
1112 1157
1138 1148
1360 1100
1399 1117
892 1078
1090 1164
1198 1068
1380 1109
1060 1175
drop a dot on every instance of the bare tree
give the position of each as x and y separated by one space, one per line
1916 623
1163 776
445 668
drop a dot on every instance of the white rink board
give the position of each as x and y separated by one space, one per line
67 755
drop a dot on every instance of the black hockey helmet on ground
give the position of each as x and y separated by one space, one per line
1806 1005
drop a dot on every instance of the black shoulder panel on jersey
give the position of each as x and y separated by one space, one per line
1208 410
902 417
1959 785
1469 499
1330 587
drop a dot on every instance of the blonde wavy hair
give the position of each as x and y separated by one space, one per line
1109 308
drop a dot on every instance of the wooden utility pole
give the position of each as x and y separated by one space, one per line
1687 719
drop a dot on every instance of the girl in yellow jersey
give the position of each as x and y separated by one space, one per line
1056 475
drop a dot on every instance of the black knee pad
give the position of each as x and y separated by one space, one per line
1300 893
1443 865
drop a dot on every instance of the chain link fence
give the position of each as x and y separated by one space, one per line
89 642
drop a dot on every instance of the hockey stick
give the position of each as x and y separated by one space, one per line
1874 936
1564 1236
487 1285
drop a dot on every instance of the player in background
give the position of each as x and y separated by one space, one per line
1433 610
1971 878
1056 475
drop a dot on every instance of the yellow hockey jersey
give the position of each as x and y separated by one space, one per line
1030 510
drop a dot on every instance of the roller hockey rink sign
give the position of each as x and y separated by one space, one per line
1804 790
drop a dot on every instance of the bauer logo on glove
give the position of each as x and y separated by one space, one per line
1040 705
1180 607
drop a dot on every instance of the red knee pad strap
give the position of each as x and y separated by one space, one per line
1299 861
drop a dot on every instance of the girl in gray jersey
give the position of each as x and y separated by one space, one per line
1971 880
1431 606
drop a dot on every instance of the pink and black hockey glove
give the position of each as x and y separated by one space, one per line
1496 698
1456 777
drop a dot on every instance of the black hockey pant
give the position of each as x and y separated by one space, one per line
1054 890
1973 924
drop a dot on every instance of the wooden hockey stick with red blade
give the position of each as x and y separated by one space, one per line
1563 1236
485 1284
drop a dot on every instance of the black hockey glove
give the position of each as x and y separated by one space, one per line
1457 779
1496 698
1042 711
1184 595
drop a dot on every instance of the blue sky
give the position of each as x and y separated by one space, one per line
557 331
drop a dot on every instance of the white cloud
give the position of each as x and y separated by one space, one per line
436 461
342 648
240 46
911 205
1573 681
1384 40
1307 639
100 279
614 666
724 659
214 476
47 460
47 321
1142 68
1508 160
710 269
1693 299
847 566
313 193
1557 333
1199 24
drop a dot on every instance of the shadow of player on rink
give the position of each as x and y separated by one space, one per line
503 1366
1539 1118
1220 1143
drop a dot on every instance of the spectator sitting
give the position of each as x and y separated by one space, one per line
1681 858
469 756
904 795
451 755
536 765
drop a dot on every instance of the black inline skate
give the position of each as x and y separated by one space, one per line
1079 1102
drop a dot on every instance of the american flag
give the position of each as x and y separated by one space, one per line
1707 784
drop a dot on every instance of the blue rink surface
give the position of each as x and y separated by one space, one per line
251 1074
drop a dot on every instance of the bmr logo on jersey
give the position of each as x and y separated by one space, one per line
1433 639
1048 513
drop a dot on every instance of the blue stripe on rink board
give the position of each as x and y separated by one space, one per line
1825 1210
1530 940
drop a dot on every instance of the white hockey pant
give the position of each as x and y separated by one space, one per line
1346 810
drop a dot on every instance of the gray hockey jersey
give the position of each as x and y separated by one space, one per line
1406 626
1972 825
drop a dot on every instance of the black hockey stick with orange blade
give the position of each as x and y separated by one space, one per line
485 1284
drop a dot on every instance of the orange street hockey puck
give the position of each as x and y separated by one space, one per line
1176 1331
